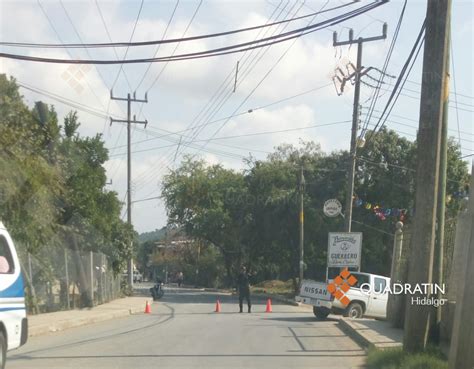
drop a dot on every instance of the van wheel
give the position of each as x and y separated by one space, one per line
3 350
355 311
321 313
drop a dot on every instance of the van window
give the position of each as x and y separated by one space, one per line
380 284
6 259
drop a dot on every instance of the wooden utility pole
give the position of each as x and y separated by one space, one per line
418 322
301 223
129 122
358 73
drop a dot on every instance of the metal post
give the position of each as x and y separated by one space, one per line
129 184
394 306
91 265
129 122
67 278
301 223
30 268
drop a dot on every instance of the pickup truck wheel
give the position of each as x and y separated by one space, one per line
355 311
321 313
3 350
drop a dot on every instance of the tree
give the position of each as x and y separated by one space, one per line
252 216
52 186
204 201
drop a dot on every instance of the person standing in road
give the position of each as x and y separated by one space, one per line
244 288
180 278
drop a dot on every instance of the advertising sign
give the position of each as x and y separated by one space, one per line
332 208
344 249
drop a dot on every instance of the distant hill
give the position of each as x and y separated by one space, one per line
155 235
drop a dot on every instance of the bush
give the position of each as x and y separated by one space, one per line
398 359
274 287
386 359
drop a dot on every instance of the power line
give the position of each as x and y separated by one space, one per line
262 79
417 97
43 10
416 121
81 107
174 51
237 48
244 72
367 160
376 93
76 31
249 111
456 93
159 45
454 82
210 109
416 128
127 49
121 69
110 39
255 134
159 42
405 72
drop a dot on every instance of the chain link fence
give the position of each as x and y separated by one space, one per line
61 279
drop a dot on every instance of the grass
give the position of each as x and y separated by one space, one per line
275 287
398 359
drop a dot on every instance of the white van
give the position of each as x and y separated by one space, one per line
13 321
370 301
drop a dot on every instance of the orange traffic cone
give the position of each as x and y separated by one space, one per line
269 306
147 308
218 306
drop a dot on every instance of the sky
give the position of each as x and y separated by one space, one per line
284 88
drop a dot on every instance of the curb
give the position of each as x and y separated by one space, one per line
352 332
43 329
279 298
360 336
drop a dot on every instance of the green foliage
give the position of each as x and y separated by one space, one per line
252 216
52 185
156 235
202 200
398 359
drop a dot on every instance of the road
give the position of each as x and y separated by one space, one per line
184 332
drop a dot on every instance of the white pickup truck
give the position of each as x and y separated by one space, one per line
367 297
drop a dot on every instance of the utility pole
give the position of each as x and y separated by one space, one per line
357 74
129 99
438 275
301 222
418 320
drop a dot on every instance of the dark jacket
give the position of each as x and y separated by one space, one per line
243 283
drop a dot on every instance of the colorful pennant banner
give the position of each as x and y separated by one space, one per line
383 212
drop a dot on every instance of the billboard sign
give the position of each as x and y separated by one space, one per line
344 249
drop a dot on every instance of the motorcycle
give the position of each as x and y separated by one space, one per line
157 291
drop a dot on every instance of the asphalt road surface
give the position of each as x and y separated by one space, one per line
184 332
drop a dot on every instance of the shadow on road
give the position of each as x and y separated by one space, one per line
300 319
323 353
